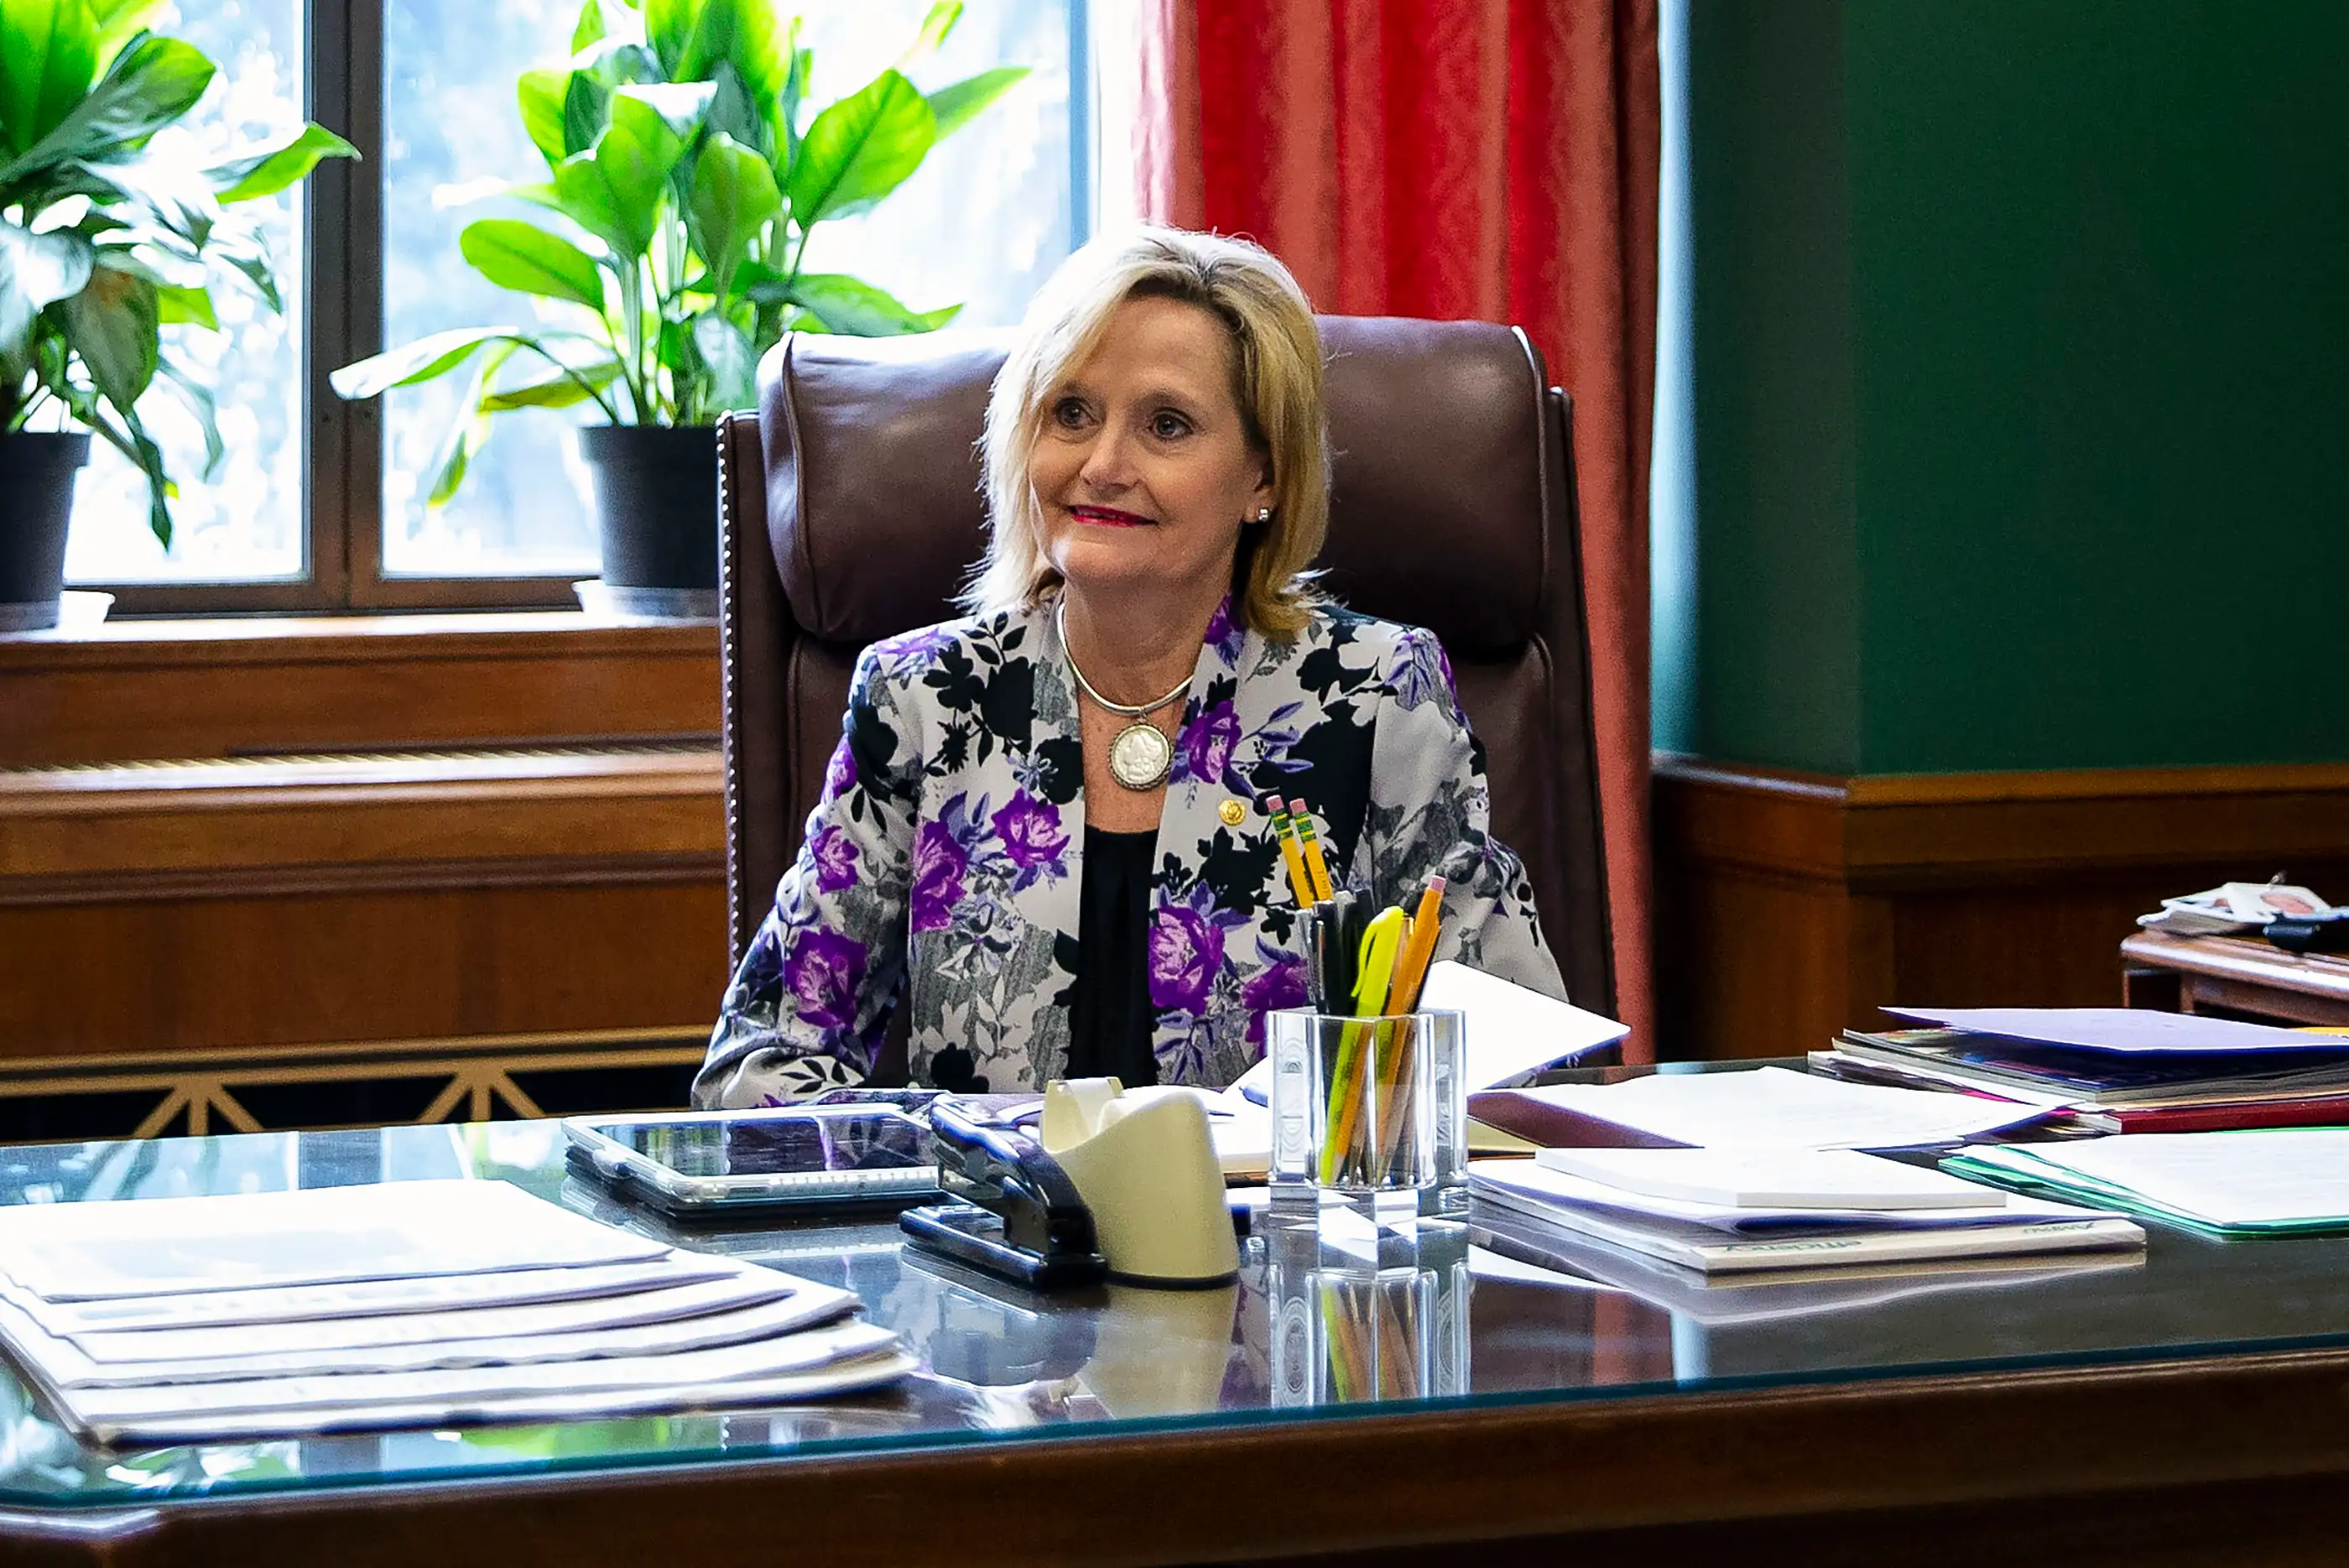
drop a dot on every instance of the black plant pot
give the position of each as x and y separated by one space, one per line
655 504
36 486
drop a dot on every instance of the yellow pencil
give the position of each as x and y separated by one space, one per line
1411 969
1301 816
1300 881
1352 1076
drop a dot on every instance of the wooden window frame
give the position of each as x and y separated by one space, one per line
342 283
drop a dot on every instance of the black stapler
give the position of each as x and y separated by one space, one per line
1020 1217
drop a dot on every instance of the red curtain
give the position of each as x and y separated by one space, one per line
1488 159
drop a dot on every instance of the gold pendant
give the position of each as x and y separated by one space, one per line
1140 755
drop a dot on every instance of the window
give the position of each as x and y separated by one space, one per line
319 504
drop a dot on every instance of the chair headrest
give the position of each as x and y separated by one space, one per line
1436 518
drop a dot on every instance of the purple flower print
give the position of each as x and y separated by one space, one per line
1225 635
1208 744
822 976
1186 948
938 865
1279 984
1031 831
840 774
834 854
917 644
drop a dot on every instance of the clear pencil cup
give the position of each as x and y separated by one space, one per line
1368 1113
1350 1322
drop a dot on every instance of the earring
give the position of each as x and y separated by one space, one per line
1264 513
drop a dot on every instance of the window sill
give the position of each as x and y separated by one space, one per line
260 686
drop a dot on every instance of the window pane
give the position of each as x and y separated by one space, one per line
981 223
246 521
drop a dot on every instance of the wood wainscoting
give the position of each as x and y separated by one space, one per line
1790 906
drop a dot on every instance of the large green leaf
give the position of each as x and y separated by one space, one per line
49 54
585 101
682 105
119 21
956 106
271 170
36 272
935 29
419 361
632 162
181 305
524 257
583 195
732 113
150 84
244 254
162 191
732 364
734 195
540 94
112 325
589 29
854 309
472 430
859 149
691 37
201 404
576 384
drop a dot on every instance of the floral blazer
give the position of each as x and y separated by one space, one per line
943 862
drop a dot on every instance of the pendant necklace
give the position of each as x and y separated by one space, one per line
1139 754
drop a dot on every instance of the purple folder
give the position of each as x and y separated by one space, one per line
2130 1031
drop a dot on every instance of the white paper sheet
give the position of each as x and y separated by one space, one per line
417 1293
62 1365
1527 1182
1771 1107
167 1246
809 1351
850 1376
740 1284
1772 1177
2278 1177
1512 1032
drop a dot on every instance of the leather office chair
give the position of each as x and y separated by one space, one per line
851 511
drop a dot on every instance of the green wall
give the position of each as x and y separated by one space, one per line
2013 339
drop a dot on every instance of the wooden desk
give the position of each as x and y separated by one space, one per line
2234 977
2186 1409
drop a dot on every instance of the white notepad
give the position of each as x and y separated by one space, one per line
1772 1178
170 1246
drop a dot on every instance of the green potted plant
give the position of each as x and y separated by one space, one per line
688 177
103 242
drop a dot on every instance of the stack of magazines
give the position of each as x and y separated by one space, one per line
425 1302
2113 1069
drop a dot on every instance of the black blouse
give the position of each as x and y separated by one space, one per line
1110 1017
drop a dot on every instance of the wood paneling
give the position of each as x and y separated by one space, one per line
195 907
1790 906
234 688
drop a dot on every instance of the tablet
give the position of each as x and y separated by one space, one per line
711 1161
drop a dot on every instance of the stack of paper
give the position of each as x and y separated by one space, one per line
2114 1069
278 1314
1820 1209
2225 1183
1767 1107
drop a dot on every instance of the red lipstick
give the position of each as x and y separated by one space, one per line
1109 517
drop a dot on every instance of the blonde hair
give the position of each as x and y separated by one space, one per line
1276 381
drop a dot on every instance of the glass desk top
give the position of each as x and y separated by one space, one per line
1309 1332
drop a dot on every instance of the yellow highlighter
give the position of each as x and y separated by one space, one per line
1300 881
1381 941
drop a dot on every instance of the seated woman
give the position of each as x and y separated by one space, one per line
1039 832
